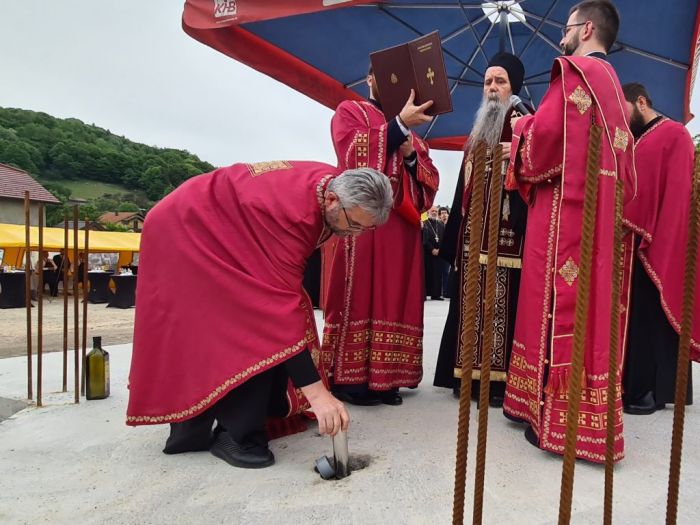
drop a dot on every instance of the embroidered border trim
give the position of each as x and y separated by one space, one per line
227 385
551 172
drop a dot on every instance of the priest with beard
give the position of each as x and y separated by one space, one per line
373 333
503 78
664 154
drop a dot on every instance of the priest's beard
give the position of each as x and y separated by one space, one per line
636 122
488 122
332 218
571 46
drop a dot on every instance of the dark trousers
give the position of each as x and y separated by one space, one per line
242 413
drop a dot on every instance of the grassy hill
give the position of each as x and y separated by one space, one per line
89 189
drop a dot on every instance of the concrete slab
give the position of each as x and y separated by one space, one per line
66 463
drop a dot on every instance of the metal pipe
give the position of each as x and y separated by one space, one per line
340 452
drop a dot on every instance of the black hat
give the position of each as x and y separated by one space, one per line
513 66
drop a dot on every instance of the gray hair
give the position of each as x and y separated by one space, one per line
366 188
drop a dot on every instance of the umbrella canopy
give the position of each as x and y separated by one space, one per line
321 47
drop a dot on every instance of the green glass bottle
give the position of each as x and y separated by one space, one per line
97 371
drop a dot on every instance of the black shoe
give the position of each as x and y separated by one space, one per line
436 298
249 456
643 406
362 400
532 437
513 418
496 401
390 398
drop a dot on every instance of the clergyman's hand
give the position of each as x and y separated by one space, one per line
406 148
331 413
513 121
506 150
412 115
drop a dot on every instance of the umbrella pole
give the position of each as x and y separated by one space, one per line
28 290
65 304
468 305
40 310
684 349
76 335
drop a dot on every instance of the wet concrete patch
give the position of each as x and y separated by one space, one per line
8 407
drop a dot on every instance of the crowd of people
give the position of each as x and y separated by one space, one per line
226 384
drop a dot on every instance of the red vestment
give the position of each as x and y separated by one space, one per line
549 160
664 157
219 296
373 329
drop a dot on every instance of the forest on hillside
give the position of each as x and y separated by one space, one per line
53 150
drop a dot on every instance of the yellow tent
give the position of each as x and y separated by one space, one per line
12 241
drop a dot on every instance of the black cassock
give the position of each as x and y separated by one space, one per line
433 232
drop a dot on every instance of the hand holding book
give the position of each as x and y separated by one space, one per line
411 115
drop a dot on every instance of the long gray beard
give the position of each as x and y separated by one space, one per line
488 123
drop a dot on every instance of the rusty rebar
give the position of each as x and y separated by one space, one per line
76 333
611 417
40 309
590 205
684 348
469 306
28 290
489 302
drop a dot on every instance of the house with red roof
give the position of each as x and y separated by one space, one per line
13 184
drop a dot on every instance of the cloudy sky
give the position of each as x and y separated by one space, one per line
127 66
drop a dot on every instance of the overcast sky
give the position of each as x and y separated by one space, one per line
127 66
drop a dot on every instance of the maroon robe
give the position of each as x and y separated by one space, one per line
548 159
664 156
219 296
373 332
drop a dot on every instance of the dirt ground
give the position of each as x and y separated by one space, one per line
115 325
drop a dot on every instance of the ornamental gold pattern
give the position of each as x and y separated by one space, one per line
581 99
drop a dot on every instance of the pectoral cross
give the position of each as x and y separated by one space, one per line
430 74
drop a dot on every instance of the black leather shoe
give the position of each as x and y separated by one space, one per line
362 400
643 406
249 456
496 401
513 418
391 398
532 437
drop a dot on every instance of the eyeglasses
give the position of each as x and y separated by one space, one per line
565 29
354 226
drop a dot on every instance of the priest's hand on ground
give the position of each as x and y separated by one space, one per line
331 414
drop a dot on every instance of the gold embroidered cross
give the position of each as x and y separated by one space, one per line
621 139
430 74
581 99
569 272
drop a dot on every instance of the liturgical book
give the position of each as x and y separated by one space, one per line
417 65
